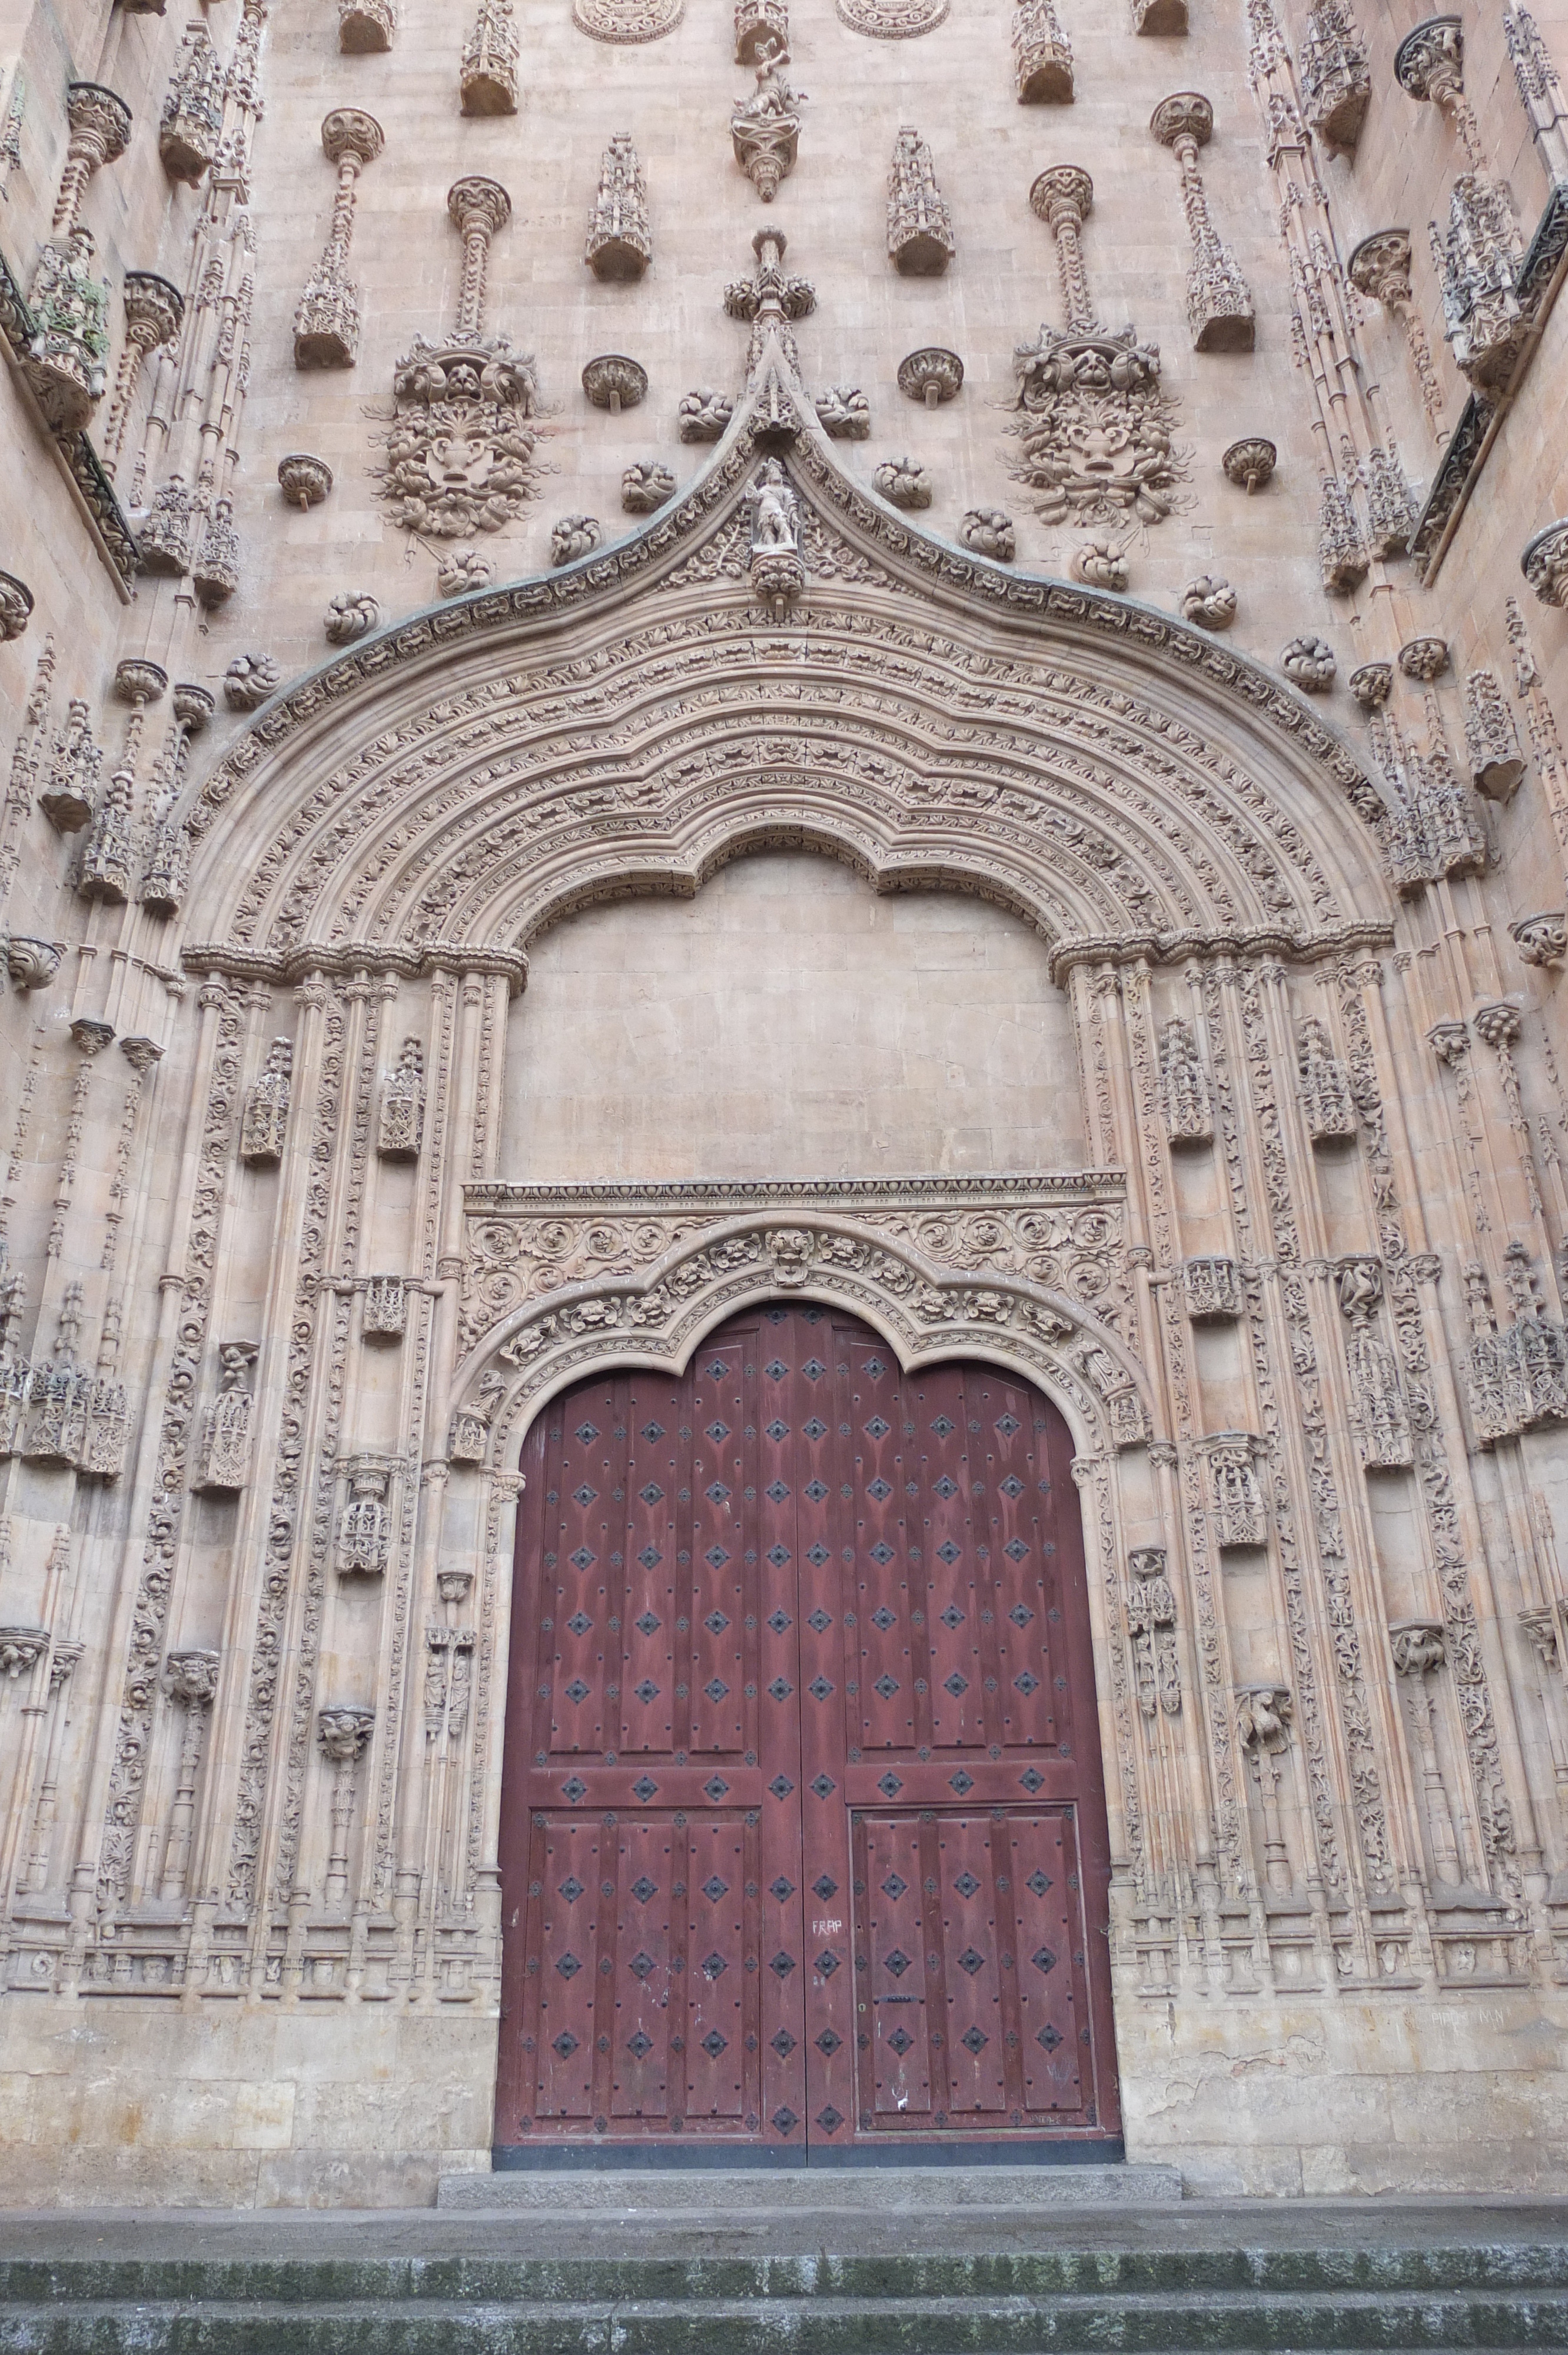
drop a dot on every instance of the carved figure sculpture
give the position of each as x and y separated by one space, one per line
267 1107
765 129
223 1457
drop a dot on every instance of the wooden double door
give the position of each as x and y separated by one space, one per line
803 1839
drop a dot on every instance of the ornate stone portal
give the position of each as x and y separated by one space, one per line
280 1295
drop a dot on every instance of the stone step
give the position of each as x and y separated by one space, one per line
1162 2323
732 2190
804 2282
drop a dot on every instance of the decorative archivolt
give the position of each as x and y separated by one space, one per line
630 723
1032 1274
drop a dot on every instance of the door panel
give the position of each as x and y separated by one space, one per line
803 1852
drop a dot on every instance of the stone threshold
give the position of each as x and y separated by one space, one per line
713 2192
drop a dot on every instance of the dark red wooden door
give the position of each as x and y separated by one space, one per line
803 1835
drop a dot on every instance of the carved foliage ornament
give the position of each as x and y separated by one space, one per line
891 20
461 450
1095 428
627 20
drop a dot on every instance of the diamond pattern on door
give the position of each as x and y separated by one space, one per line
798 1844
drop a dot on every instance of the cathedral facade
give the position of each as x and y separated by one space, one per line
785 1208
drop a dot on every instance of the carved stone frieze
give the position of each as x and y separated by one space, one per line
1060 1236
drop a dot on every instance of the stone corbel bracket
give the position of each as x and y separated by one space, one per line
706 1268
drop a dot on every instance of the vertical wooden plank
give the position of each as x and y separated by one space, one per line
1051 2032
716 1974
640 2035
966 1915
956 1597
650 1480
899 2060
568 1967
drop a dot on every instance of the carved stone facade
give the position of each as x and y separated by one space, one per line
484 833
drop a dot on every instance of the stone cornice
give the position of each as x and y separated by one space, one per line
346 958
1177 948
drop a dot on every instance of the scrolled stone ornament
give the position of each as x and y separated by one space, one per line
903 483
1541 940
16 606
704 416
304 481
1309 663
1209 601
1099 564
351 614
1371 685
574 536
930 375
843 413
1424 659
461 570
645 488
32 962
614 382
249 681
987 532
1250 463
1545 564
